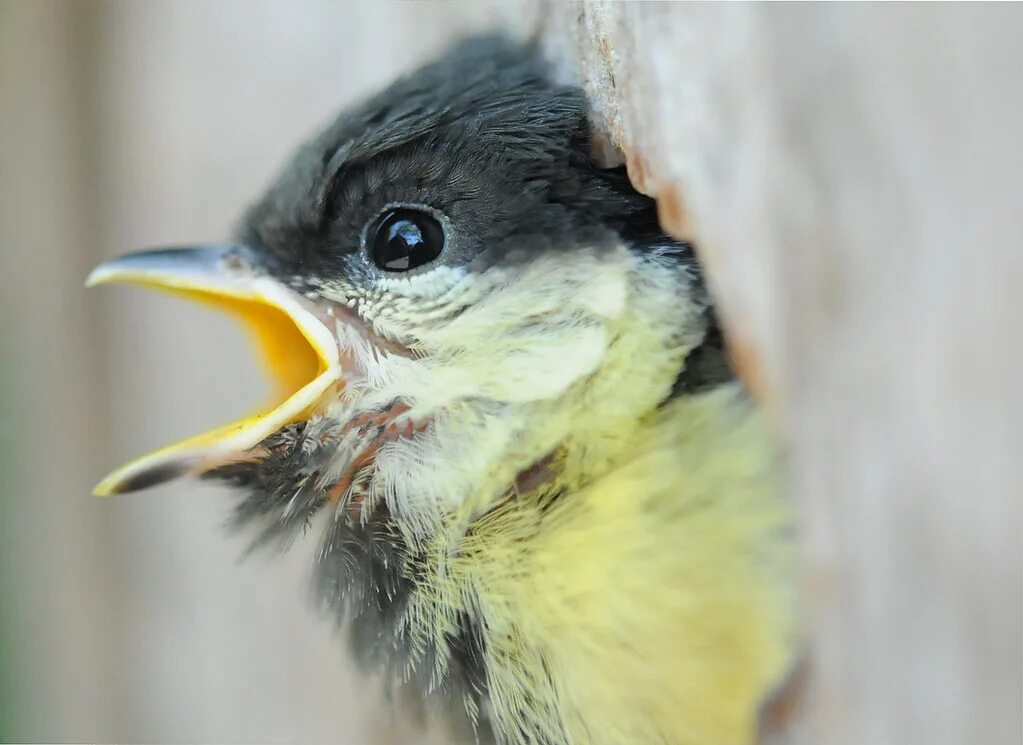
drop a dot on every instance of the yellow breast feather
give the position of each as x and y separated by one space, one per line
650 606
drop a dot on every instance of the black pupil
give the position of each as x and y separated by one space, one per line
404 239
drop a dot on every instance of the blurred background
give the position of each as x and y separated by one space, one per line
852 175
125 125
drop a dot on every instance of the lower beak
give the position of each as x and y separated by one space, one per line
299 352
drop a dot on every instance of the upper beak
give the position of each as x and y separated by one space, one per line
300 352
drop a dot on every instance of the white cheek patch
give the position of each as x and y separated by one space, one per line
493 385
514 373
535 329
537 367
525 332
551 287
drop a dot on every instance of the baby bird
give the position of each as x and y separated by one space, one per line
503 404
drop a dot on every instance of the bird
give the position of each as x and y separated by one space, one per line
502 404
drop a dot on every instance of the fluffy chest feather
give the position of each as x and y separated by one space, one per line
648 606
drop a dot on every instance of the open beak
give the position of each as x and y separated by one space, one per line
299 351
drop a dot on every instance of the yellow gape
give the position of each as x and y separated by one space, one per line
299 357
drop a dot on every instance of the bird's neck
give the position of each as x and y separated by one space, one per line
665 345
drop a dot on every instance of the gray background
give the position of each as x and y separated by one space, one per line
126 125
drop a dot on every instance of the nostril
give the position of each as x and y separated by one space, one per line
235 263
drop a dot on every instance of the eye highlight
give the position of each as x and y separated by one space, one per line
402 239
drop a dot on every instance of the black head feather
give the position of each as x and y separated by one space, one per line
483 137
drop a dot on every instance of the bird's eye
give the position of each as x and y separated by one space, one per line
402 239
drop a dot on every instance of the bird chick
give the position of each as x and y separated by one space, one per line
503 403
